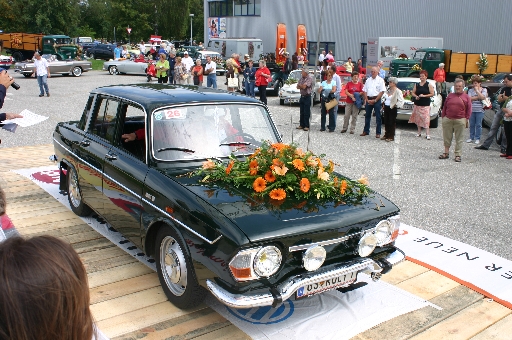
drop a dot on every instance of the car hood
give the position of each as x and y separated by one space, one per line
261 219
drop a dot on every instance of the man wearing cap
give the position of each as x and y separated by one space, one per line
189 63
305 85
440 78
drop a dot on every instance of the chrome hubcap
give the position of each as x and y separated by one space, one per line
173 266
73 191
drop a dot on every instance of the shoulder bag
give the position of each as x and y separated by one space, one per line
487 103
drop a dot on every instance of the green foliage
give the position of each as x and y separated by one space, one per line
97 65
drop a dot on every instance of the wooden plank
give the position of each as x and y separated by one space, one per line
504 63
101 254
230 332
458 63
28 221
428 285
417 321
499 331
471 66
468 322
127 303
403 271
55 226
187 326
125 287
140 318
120 273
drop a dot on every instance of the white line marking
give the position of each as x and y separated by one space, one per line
396 156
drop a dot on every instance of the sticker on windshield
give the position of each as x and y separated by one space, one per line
159 115
175 114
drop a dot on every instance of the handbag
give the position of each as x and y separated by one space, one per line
330 104
184 76
232 82
487 103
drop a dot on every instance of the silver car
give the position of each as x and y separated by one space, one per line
290 94
64 67
125 66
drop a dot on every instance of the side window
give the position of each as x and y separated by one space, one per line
105 118
132 119
86 113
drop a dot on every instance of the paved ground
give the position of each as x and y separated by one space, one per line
465 201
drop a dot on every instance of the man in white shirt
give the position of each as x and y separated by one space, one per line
189 63
373 90
211 71
42 72
321 58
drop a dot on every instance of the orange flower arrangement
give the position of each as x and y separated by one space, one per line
279 171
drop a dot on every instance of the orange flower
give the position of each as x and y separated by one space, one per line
281 171
304 185
209 164
279 146
259 184
299 153
331 166
343 187
311 161
278 194
319 162
335 180
363 180
253 171
298 164
269 177
277 162
253 164
229 167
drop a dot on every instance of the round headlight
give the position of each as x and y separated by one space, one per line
367 244
314 257
383 232
267 261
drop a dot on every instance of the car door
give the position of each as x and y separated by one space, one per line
94 148
124 174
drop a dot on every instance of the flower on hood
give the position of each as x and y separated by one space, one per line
259 184
323 175
364 180
209 164
277 194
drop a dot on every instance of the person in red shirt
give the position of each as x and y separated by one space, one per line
440 78
352 89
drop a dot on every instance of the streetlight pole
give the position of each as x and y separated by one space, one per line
191 17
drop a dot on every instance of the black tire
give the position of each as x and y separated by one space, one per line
281 101
75 194
435 122
18 56
175 272
113 70
27 75
91 55
278 86
77 71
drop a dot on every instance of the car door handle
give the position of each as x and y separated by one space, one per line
85 143
111 157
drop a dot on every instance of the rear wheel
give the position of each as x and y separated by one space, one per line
175 271
91 55
18 56
75 195
281 101
77 71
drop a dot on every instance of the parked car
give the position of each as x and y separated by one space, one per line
499 77
125 66
290 94
345 78
247 250
101 51
6 62
64 67
202 54
88 45
407 84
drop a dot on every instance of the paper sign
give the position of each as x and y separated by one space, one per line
29 118
175 114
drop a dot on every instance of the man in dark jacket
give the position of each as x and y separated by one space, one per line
287 67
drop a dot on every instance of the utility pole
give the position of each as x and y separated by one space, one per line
191 17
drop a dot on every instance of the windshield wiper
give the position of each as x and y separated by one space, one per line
236 143
176 149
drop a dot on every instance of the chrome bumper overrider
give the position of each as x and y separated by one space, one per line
288 288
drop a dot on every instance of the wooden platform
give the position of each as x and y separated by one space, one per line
128 303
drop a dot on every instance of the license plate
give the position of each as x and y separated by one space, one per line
291 100
407 107
315 288
342 104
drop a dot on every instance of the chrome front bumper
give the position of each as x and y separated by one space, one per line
287 289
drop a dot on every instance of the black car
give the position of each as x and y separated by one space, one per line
138 157
101 51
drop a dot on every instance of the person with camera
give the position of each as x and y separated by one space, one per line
5 81
42 73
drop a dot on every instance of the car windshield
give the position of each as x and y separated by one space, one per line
419 55
63 40
296 75
405 85
209 131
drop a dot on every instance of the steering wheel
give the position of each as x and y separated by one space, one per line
247 138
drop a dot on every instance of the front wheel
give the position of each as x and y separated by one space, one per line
75 194
91 56
175 271
112 70
278 86
77 71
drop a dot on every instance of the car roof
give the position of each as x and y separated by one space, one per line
413 80
153 96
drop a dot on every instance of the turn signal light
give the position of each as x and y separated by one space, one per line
241 273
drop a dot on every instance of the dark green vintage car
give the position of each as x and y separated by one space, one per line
130 159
